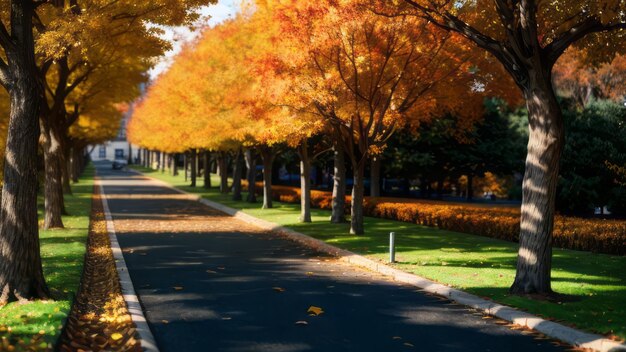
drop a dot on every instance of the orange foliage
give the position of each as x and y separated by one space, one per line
603 236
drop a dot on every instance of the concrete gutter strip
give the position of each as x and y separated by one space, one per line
551 329
146 339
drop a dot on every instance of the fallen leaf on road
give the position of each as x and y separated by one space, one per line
315 311
310 273
397 338
165 321
302 322
226 318
408 344
211 272
116 336
278 289
178 288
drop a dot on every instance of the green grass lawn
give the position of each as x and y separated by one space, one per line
62 254
480 265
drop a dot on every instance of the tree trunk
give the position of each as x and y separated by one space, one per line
545 145
251 177
206 164
237 170
21 274
186 164
338 214
305 182
356 209
175 159
53 187
223 171
162 162
66 167
130 154
375 177
194 170
470 187
267 154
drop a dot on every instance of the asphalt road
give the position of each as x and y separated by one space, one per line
209 282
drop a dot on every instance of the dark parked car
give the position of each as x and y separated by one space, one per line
119 163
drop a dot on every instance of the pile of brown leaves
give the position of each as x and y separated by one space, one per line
99 320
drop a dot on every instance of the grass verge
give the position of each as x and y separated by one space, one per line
479 265
38 324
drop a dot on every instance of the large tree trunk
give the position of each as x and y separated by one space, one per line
338 214
206 164
305 182
21 274
356 209
162 162
53 187
250 158
237 171
222 162
194 170
545 145
375 177
130 154
267 154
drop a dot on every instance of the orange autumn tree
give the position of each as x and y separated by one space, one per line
198 102
528 37
575 77
367 75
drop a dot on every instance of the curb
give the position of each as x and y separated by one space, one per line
145 337
551 329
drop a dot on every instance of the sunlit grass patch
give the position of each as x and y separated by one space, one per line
62 252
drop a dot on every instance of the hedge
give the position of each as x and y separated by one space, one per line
594 235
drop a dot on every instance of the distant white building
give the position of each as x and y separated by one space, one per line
118 147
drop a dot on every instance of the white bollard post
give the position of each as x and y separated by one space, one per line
392 247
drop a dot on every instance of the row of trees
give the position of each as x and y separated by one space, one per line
68 67
355 72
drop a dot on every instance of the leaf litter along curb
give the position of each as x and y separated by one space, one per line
99 320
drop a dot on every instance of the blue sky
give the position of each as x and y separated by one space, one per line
210 15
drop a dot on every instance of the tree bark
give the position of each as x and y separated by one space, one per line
186 164
305 182
53 188
250 158
194 170
375 177
267 154
130 154
21 274
545 146
222 162
175 159
162 162
356 209
470 187
237 171
206 164
338 214
66 167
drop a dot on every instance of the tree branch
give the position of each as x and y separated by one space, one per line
590 25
